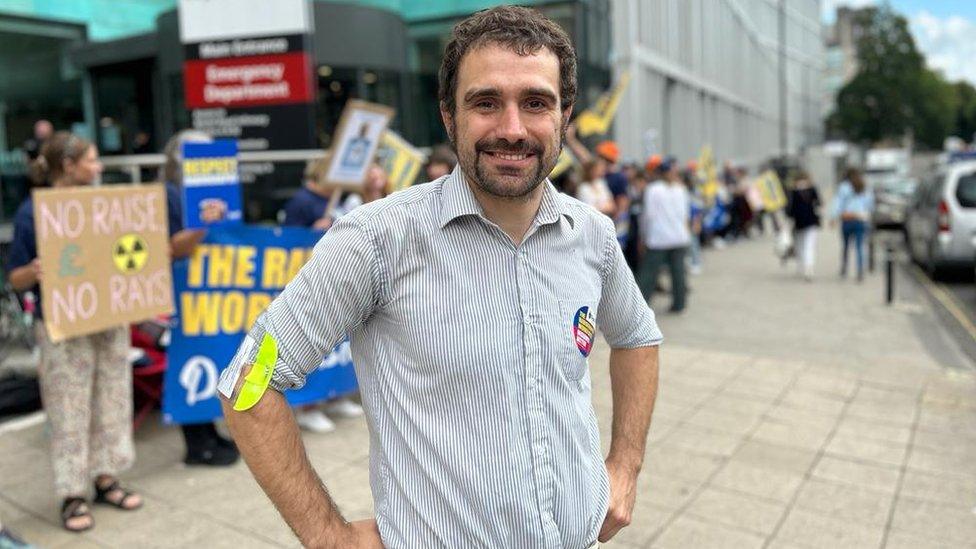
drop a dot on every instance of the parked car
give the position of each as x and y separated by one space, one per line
941 221
892 197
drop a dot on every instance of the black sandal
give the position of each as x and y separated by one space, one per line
76 508
101 496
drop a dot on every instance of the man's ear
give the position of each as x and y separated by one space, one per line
567 113
448 119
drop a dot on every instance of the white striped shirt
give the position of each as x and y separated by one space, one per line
474 382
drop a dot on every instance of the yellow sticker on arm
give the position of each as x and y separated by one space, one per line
257 380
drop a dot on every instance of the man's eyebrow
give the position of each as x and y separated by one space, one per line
479 93
541 92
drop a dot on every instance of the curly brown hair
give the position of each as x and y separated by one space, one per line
525 31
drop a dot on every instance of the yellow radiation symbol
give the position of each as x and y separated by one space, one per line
130 253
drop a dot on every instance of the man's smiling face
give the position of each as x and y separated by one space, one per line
508 124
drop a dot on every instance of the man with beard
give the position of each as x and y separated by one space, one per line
471 304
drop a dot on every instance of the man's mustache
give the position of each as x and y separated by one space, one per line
521 146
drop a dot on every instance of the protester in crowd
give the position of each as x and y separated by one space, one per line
617 182
310 208
10 540
802 208
634 247
376 184
853 205
204 445
667 214
42 132
742 212
593 189
374 188
457 436
441 162
85 381
697 214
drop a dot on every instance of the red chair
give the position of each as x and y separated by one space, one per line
147 375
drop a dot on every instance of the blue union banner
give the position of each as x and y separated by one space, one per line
219 291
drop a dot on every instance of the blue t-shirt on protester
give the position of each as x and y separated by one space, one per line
174 207
23 248
617 182
305 208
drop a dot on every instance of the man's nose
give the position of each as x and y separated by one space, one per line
510 126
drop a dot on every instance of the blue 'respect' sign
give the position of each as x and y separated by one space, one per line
211 185
233 275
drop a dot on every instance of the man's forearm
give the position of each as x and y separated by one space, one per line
633 381
271 443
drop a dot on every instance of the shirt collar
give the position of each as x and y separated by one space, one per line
457 199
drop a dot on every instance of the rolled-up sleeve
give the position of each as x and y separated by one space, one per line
335 292
625 319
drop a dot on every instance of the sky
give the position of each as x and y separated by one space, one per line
944 30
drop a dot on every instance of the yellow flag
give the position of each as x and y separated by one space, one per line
563 163
708 174
399 160
596 119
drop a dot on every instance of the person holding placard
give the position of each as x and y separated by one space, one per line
86 381
204 445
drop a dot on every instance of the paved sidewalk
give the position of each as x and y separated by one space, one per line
790 414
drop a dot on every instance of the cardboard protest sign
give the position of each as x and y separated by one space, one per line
355 142
211 185
232 276
771 189
400 160
104 252
596 120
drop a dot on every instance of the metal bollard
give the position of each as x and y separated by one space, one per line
889 274
871 234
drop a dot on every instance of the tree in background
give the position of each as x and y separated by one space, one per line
966 112
894 94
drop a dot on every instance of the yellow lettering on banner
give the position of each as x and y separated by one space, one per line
244 269
221 269
232 312
194 277
210 313
256 304
273 272
209 166
200 313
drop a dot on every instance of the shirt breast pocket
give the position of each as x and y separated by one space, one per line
577 324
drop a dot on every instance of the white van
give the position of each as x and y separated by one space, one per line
941 222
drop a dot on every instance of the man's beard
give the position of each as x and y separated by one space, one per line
473 167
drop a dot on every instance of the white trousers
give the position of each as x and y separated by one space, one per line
806 249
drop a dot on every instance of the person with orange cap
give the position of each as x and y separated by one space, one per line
617 182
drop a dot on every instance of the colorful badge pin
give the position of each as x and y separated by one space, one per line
584 329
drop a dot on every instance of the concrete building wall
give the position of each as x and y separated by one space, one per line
707 71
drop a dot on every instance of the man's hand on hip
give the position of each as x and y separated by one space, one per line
623 494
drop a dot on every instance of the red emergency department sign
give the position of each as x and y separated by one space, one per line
248 81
